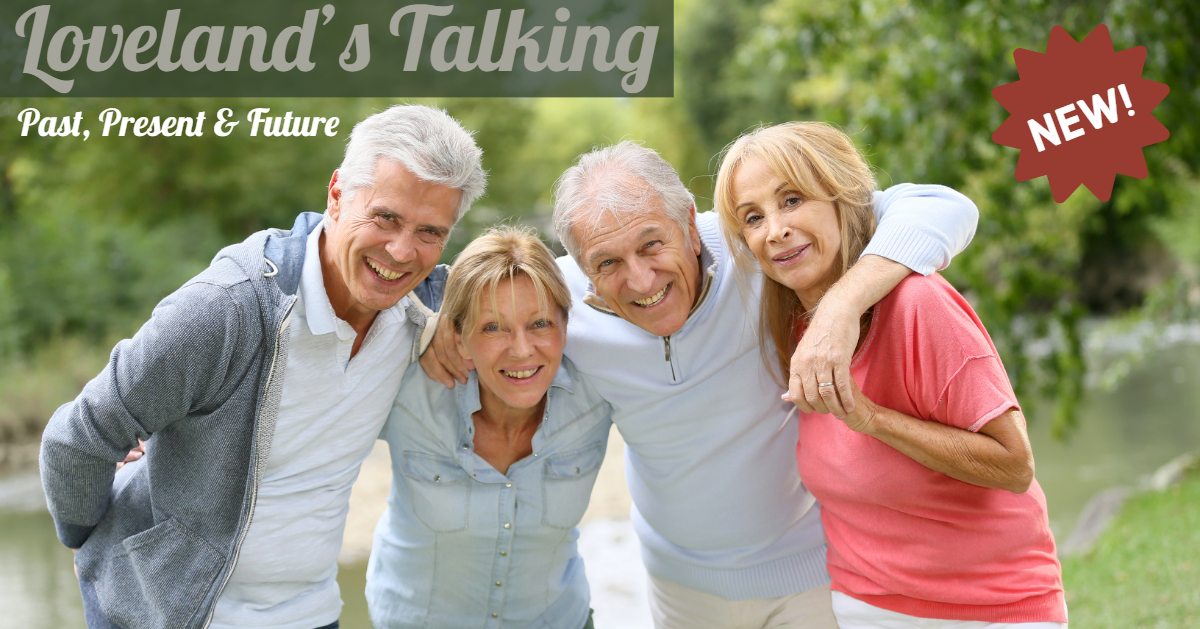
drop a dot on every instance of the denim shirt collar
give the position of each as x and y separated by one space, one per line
469 402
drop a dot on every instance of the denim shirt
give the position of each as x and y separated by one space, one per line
462 545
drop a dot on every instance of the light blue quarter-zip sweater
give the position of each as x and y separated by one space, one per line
711 449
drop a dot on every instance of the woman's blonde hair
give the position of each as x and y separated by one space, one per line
822 164
500 253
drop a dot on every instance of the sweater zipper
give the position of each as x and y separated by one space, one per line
667 346
258 468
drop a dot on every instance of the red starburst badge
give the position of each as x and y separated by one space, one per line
1081 113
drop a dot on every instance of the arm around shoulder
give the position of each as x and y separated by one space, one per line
922 226
174 365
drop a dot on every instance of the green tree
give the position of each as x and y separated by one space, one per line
911 82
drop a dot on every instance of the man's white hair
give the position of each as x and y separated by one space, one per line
426 141
622 179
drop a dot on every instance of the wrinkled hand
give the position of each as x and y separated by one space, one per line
862 418
134 454
823 355
442 361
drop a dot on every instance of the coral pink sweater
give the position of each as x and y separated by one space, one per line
902 536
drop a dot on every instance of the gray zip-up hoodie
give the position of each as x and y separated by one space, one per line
201 381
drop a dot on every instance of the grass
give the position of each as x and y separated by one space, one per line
1144 571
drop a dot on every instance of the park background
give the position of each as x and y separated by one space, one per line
1095 306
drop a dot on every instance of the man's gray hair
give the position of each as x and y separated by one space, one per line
620 179
426 141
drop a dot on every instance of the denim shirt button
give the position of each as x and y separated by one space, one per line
507 525
508 484
495 615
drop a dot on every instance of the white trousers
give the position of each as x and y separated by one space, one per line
674 606
854 614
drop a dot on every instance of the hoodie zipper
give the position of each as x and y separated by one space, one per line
258 468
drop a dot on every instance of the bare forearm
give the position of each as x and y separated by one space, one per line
975 458
867 282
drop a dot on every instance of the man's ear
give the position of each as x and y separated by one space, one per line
333 200
693 231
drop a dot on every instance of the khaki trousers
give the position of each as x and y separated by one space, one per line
674 606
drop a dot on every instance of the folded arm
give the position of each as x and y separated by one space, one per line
998 456
173 366
920 229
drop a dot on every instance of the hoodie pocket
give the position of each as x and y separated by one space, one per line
172 568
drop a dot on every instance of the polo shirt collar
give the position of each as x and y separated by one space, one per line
314 302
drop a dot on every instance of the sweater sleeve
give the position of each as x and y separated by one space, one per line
173 366
922 226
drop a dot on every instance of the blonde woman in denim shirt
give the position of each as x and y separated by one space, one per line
490 479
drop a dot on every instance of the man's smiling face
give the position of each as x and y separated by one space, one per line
644 267
384 240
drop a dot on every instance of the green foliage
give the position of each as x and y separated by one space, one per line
1143 570
93 233
911 81
32 388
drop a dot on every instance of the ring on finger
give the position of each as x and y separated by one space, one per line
824 384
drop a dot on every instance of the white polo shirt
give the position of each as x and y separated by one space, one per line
331 412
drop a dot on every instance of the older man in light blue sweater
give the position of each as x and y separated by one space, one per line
666 331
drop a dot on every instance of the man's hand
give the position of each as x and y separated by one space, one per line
442 361
820 374
134 455
824 353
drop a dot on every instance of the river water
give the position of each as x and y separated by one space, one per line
1152 417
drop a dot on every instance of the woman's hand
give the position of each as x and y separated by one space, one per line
997 457
862 418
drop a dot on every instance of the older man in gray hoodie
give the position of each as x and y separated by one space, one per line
261 385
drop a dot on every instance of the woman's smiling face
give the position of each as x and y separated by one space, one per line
797 241
517 347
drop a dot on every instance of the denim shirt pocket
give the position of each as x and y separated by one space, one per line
567 480
441 491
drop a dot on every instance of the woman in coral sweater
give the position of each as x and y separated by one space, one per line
929 503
